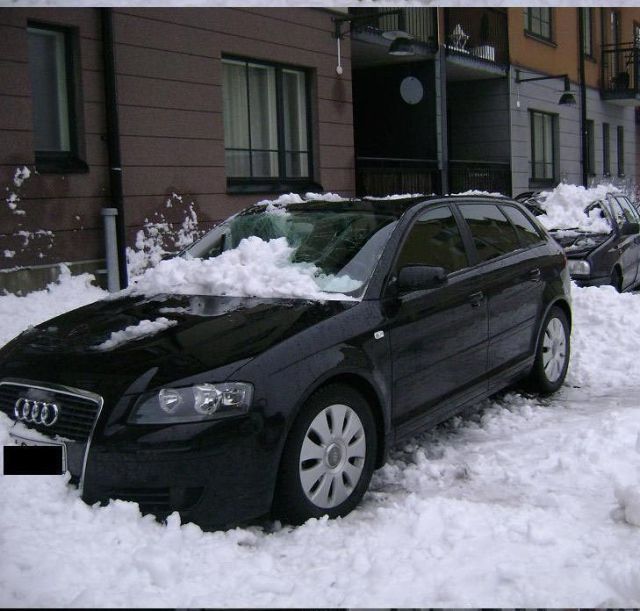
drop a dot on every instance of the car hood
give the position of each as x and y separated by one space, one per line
579 243
188 335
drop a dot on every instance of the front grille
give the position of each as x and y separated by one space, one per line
77 413
159 501
149 499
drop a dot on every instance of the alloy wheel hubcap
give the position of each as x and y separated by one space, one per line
554 350
332 456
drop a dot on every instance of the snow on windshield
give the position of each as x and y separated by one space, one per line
565 208
256 268
276 252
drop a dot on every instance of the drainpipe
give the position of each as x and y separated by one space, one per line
113 140
441 98
583 99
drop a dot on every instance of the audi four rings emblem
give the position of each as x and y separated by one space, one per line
37 412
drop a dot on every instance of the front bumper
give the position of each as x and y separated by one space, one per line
592 281
224 479
214 473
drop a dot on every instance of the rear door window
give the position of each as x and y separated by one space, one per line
493 234
434 240
525 229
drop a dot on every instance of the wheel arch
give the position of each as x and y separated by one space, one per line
368 390
618 269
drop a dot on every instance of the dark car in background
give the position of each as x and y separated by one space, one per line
247 406
596 259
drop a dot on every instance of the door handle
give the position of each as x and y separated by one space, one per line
534 275
476 299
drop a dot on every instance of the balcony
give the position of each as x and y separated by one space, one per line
378 176
620 74
476 42
369 48
494 177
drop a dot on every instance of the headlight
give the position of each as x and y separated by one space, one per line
579 267
193 404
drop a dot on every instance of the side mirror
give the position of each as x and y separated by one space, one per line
629 228
420 278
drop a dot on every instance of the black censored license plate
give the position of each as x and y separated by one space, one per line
34 457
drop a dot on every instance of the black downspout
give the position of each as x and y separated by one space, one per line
583 98
113 139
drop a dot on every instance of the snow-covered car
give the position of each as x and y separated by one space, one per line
602 239
270 367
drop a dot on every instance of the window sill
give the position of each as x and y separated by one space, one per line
538 38
541 183
239 186
52 163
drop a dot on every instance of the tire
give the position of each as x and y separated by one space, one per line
552 354
328 458
616 280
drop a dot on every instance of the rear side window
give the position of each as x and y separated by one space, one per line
493 235
525 229
434 240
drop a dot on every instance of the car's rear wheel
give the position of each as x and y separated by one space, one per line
552 355
328 458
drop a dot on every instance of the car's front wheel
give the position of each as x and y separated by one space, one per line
552 356
328 458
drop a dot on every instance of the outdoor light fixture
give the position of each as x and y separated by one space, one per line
401 41
566 99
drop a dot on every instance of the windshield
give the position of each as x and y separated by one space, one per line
344 245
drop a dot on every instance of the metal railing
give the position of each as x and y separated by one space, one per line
620 68
477 33
420 23
494 177
380 176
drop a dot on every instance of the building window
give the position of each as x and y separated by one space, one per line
543 147
590 160
537 21
51 70
587 31
266 125
606 150
620 144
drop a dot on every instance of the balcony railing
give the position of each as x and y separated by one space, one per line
477 33
420 23
494 177
379 176
620 70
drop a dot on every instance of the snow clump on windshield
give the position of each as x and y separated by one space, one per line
255 268
564 208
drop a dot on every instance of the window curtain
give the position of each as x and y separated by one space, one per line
295 124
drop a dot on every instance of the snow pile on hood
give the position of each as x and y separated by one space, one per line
144 328
254 269
564 208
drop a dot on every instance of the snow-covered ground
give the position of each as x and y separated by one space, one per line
523 503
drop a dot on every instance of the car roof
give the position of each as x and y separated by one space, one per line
395 206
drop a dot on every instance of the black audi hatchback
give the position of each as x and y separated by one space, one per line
239 407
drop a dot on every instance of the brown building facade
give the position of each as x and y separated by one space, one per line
291 131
